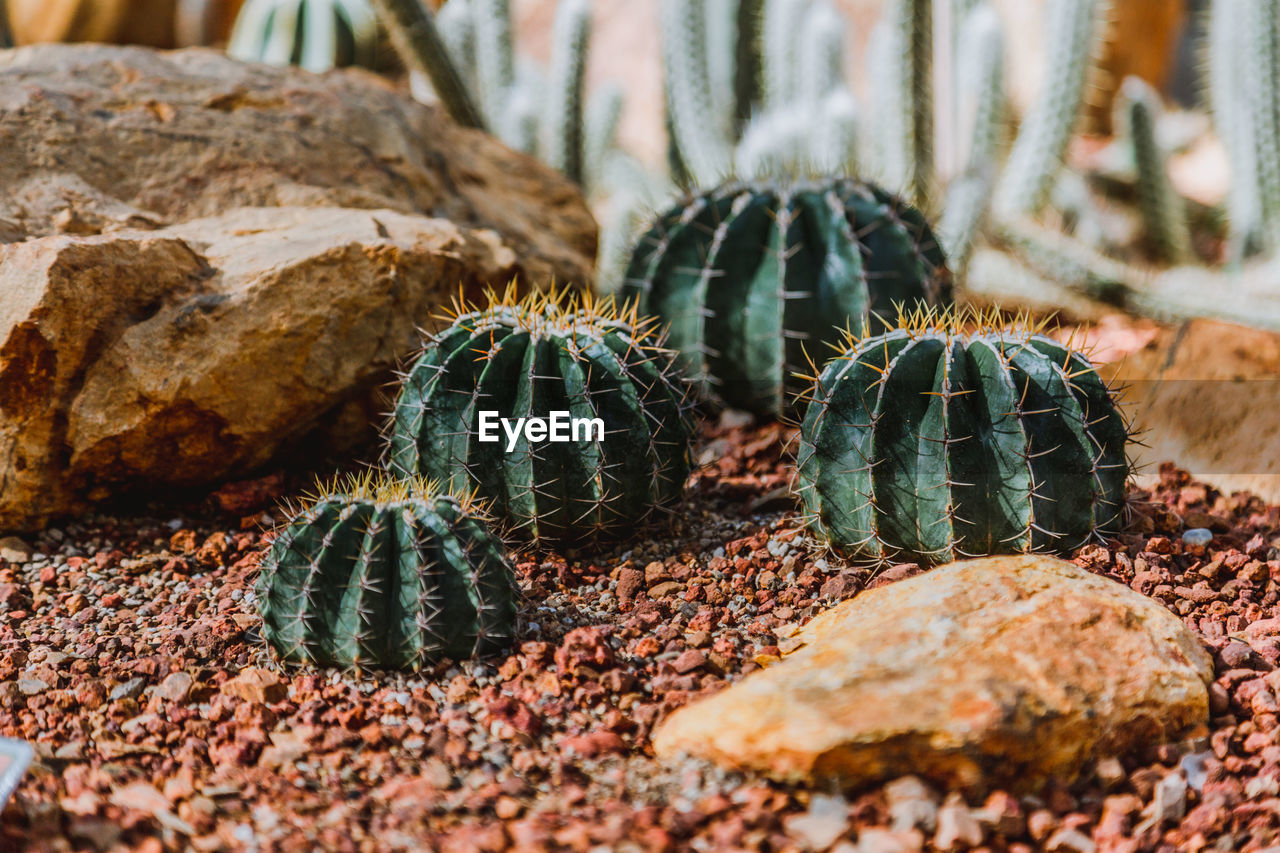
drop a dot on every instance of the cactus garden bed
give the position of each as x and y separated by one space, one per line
131 657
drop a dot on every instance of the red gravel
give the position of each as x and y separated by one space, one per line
130 657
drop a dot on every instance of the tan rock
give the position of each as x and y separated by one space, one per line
1205 396
100 138
171 358
1001 670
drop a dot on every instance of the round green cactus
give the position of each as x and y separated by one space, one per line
481 407
929 444
753 280
382 574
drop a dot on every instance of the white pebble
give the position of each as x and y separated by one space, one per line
1198 536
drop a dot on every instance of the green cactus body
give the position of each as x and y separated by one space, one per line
314 34
386 577
927 444
531 360
753 280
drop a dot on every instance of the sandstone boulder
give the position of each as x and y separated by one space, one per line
176 357
203 261
1002 670
100 138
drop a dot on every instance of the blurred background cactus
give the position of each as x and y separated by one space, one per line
1064 148
314 34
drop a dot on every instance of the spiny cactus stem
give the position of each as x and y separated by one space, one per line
746 84
413 32
918 85
562 123
1163 211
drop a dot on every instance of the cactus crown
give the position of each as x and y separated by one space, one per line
751 277
379 573
954 436
598 368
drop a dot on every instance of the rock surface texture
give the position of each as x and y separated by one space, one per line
1000 670
1206 393
203 261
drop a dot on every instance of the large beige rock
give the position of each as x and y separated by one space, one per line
176 357
99 138
1002 670
203 261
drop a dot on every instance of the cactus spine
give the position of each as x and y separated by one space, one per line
753 279
382 574
534 358
929 444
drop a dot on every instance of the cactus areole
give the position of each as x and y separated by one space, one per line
754 280
928 444
386 576
561 414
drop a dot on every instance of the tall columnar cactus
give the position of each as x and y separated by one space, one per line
384 574
613 448
540 111
563 138
1072 30
314 34
979 91
755 279
928 444
701 137
1164 214
412 29
1245 101
914 21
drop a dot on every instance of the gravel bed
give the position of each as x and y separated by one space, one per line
129 655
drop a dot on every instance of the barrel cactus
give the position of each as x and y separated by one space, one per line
928 443
381 574
562 413
755 279
314 34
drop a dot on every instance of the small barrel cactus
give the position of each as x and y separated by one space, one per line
314 34
560 412
929 444
383 574
754 280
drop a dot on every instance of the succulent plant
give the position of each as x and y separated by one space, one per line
754 279
384 574
1243 63
1164 214
929 443
623 456
467 49
314 34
